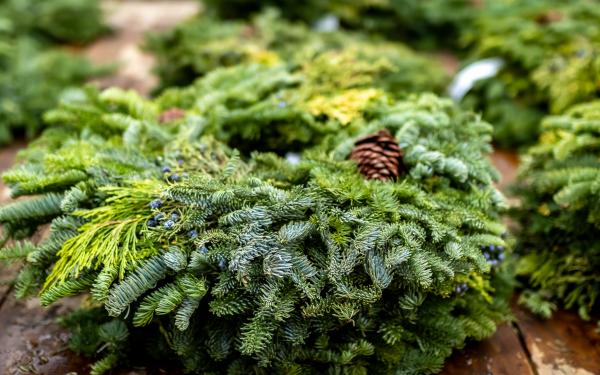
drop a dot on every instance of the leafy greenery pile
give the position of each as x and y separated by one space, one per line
552 61
427 24
54 21
33 73
194 48
244 262
560 213
550 47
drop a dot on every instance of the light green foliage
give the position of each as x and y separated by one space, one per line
560 213
33 74
240 262
195 48
552 61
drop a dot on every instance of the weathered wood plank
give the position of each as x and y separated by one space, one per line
498 355
507 163
32 342
562 345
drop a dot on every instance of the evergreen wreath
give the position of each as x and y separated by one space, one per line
53 21
551 62
560 214
200 45
246 263
33 73
426 24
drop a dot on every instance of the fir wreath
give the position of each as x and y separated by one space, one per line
551 62
559 215
200 45
426 24
33 72
245 263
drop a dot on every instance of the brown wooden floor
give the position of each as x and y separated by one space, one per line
31 342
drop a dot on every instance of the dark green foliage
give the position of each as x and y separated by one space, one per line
195 48
33 73
245 263
552 61
560 214
56 21
31 80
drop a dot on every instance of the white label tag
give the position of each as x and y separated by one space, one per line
327 24
465 79
293 158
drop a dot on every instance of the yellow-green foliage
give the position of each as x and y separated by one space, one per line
108 239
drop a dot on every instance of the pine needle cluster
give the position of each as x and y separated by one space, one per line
33 73
242 262
193 49
560 214
551 62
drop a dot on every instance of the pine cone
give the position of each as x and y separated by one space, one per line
171 114
378 156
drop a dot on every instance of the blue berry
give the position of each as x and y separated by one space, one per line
166 169
282 104
169 224
501 256
222 264
174 216
155 204
151 223
159 216
180 162
461 288
500 248
203 250
492 248
193 233
174 177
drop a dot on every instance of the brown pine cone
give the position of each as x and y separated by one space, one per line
378 156
171 114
